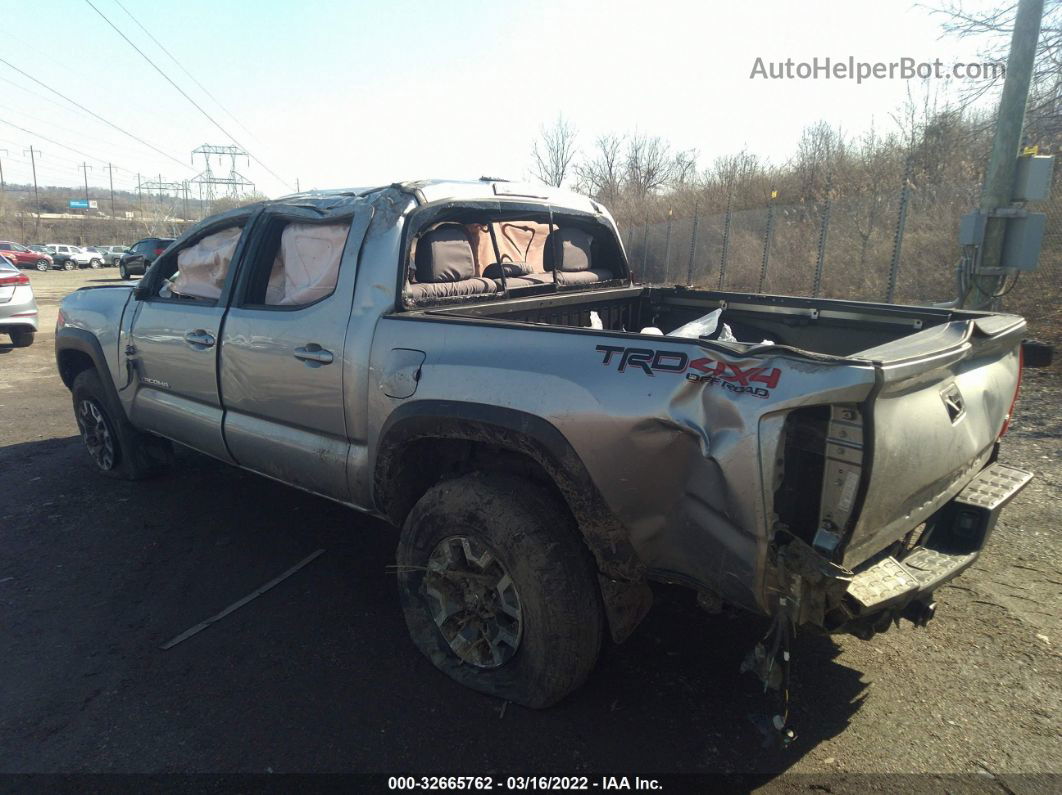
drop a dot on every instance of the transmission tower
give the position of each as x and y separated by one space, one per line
209 182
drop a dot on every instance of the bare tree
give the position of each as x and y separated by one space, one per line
601 175
649 164
554 151
993 28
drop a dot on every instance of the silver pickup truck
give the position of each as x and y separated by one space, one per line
473 362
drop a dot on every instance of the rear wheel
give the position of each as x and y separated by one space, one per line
123 272
117 448
42 265
95 264
498 590
22 339
69 265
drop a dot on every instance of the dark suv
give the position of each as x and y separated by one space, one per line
140 255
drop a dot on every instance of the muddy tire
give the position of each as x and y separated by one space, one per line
117 449
498 589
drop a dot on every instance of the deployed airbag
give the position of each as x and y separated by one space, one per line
201 268
307 264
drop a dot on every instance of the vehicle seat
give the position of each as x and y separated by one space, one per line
576 258
445 267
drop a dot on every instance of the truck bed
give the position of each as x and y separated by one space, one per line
827 327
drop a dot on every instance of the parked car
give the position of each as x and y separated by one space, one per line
111 254
69 257
24 256
473 363
140 255
18 307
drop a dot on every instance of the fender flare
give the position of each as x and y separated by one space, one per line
76 339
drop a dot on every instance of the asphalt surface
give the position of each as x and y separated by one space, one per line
318 674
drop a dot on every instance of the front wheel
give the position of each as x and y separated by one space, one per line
22 339
117 448
498 589
42 265
95 264
69 265
123 272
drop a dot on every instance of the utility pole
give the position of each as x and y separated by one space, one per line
36 194
85 167
114 219
3 187
999 178
184 187
139 197
297 188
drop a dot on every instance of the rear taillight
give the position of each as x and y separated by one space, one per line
159 251
1017 391
12 279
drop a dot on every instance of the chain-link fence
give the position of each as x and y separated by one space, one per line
900 246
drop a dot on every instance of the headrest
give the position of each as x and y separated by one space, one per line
444 255
575 250
511 269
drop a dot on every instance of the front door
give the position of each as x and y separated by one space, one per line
175 333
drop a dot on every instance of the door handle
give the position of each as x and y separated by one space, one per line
199 339
314 355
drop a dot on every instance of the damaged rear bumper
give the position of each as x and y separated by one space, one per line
901 586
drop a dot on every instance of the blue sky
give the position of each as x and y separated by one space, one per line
354 93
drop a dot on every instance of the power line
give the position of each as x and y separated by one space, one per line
96 115
184 94
51 141
181 67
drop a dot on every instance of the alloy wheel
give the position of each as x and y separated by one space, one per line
96 433
473 602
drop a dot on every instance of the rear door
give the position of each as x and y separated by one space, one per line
175 333
282 349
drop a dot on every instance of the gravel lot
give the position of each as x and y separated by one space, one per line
319 675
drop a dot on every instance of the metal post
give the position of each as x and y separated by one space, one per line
645 246
999 178
824 230
726 236
901 222
767 235
693 245
185 187
139 197
667 250
36 194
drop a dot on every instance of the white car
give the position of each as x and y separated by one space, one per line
70 257
18 307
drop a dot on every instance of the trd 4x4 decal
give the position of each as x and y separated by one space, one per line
703 370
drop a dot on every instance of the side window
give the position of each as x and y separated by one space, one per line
297 264
5 247
198 270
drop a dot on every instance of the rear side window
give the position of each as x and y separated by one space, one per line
297 263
